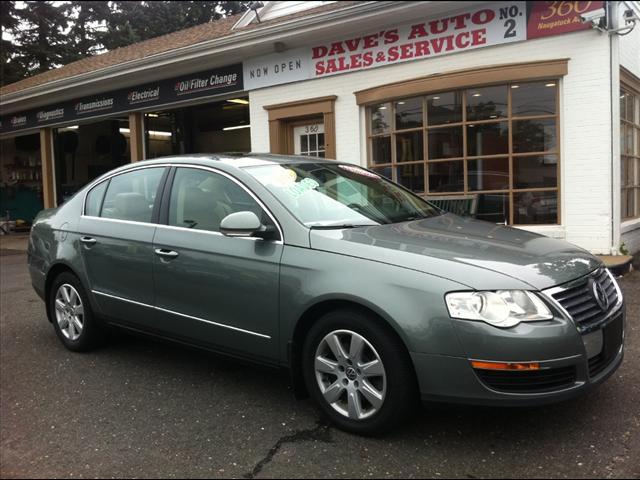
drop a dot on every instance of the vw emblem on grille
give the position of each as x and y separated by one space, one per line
600 295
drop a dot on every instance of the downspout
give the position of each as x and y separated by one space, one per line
612 23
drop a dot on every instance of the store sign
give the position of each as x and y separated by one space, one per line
277 69
163 93
482 26
555 18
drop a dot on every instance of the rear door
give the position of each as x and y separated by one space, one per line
211 289
117 231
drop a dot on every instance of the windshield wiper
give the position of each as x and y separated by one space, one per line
341 226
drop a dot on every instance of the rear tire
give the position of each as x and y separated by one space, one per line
72 316
358 373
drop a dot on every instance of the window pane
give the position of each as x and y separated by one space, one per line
529 99
446 177
201 199
321 141
493 207
380 119
408 113
487 103
628 132
534 135
384 171
131 196
623 104
409 147
535 172
535 208
304 144
411 177
445 143
380 150
488 174
444 108
488 139
94 200
631 107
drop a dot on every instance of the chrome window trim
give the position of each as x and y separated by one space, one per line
128 222
181 165
249 332
550 292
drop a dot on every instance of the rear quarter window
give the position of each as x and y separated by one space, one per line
93 202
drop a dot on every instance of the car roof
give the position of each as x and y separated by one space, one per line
232 159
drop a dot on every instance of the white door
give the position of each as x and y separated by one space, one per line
309 140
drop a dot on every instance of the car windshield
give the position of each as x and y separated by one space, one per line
322 195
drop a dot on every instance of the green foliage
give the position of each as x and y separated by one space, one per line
44 34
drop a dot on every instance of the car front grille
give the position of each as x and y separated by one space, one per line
534 381
579 301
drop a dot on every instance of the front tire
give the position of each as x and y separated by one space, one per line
72 316
358 373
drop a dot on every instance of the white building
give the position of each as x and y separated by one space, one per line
520 112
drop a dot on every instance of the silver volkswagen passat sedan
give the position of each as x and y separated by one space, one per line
369 295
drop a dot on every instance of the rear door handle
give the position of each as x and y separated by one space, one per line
162 252
88 240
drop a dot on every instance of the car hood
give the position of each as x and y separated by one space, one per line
478 254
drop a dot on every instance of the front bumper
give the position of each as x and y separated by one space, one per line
452 379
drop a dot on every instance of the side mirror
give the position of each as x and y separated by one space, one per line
245 224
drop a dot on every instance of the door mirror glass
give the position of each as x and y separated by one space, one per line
241 224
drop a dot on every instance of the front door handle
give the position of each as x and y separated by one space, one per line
88 240
162 252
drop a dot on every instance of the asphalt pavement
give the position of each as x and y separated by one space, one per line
143 408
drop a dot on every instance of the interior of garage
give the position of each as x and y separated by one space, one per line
20 179
209 128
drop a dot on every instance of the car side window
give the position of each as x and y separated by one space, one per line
131 196
94 199
201 199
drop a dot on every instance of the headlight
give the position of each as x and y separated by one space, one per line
504 308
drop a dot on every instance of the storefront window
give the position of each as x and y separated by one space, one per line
630 153
498 144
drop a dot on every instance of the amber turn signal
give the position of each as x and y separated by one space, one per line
504 366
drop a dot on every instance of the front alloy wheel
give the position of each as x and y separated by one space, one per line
350 374
358 371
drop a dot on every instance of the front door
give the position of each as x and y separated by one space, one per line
308 139
116 243
211 289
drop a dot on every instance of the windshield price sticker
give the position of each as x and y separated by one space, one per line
302 187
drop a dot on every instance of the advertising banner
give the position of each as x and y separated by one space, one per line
165 92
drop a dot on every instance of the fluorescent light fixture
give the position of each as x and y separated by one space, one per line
476 95
550 85
241 101
515 86
382 108
70 127
435 98
401 103
236 128
153 115
151 132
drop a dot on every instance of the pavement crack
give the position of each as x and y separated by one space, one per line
320 433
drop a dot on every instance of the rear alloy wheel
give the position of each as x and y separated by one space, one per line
358 372
69 312
72 316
